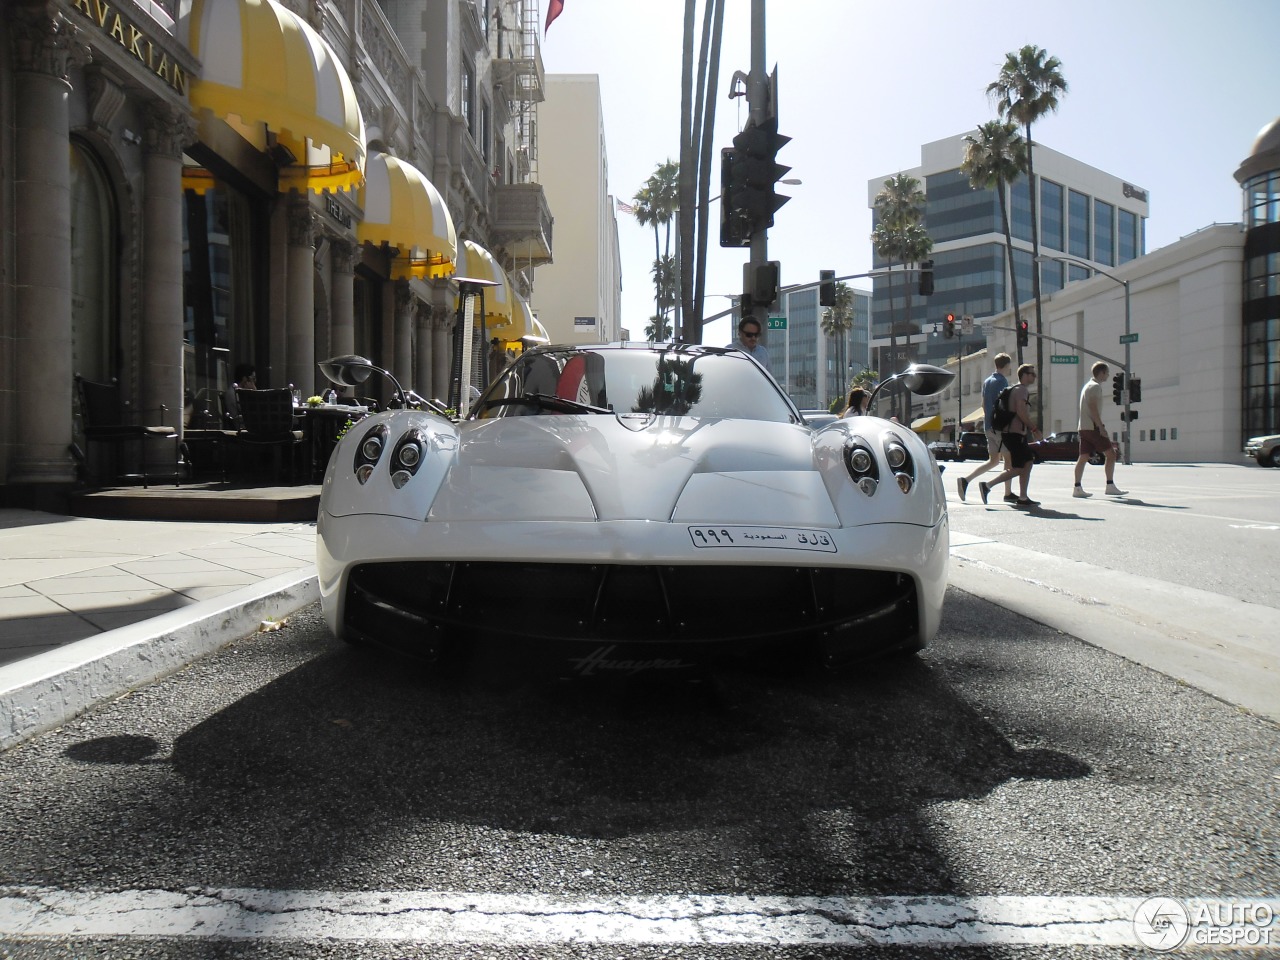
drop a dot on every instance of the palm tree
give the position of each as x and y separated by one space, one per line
899 235
665 283
837 321
993 159
1028 87
658 329
656 203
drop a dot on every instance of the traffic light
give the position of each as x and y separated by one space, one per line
827 291
735 228
1135 389
1024 333
926 278
1117 388
760 282
1133 415
949 326
754 171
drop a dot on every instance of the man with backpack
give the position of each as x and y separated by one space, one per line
1014 405
991 388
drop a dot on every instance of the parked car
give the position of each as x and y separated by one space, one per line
943 450
1061 446
973 446
1266 450
819 418
619 508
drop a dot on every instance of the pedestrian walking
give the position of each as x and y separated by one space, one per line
1015 440
1093 434
996 453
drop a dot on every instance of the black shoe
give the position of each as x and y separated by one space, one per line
1010 498
984 490
1026 504
963 486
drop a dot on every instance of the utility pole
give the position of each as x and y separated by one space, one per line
758 99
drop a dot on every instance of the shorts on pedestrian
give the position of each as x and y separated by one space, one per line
1016 444
1094 441
994 448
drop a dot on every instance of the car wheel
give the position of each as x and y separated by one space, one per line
1271 459
1097 459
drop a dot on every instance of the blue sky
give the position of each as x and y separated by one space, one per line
1167 95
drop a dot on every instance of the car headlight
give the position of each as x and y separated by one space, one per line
406 457
861 464
901 462
369 452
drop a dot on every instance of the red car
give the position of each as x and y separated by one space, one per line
1061 446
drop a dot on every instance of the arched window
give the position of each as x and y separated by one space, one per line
95 333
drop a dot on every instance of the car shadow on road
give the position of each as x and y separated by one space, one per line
788 783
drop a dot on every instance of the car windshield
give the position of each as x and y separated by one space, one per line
620 380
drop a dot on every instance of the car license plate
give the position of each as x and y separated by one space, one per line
777 538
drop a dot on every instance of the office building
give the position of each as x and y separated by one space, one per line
1259 177
1083 212
814 368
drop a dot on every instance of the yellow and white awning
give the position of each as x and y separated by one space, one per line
925 424
540 334
267 71
403 209
476 263
974 417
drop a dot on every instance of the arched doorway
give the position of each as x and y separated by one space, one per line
95 313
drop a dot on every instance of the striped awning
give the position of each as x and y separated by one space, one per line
476 263
267 71
403 209
540 332
925 424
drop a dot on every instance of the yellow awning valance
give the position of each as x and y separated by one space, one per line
403 209
974 416
925 424
476 263
267 71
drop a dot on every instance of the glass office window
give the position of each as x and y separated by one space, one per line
1128 238
1020 210
1051 224
955 210
1051 276
1104 250
1262 199
1077 224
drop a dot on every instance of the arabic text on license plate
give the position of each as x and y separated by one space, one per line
784 538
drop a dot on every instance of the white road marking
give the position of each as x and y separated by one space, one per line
424 917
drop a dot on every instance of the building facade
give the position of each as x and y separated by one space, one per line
198 185
1084 213
580 295
1259 177
814 368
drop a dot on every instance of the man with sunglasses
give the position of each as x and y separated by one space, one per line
1016 437
749 340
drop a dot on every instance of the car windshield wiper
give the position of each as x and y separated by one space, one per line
546 400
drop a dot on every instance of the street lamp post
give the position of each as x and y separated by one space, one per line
1128 367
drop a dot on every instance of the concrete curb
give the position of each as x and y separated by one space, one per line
45 691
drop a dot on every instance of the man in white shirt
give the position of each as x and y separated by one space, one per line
1093 433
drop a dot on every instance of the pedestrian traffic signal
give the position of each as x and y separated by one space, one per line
761 282
755 170
735 228
1135 389
1024 333
949 326
1130 417
1117 388
827 290
926 278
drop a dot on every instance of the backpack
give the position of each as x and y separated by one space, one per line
1002 413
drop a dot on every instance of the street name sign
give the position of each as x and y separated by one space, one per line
1128 338
1063 358
777 323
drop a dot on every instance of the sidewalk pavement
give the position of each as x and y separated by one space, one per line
90 609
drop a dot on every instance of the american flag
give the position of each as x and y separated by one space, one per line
624 207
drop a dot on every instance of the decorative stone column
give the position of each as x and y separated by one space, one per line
342 329
300 297
423 327
44 47
402 351
168 131
442 323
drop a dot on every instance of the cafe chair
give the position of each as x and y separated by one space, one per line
267 417
103 418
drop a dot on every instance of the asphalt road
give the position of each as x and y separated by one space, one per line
319 793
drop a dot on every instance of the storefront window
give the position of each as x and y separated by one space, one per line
222 244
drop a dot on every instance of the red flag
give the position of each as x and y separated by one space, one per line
553 11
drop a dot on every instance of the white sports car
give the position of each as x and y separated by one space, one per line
626 507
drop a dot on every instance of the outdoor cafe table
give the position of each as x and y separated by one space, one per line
321 426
